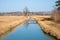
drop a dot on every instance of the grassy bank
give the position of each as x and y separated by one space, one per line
9 22
48 26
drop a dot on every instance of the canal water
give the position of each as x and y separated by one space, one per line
27 31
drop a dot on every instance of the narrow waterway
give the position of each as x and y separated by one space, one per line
27 31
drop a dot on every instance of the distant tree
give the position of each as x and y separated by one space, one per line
56 12
25 11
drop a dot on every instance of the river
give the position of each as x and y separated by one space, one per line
27 31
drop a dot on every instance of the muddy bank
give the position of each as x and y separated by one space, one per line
9 23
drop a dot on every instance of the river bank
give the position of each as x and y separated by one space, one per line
49 27
9 22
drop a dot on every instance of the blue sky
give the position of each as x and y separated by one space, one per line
33 5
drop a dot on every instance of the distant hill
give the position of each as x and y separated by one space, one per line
22 13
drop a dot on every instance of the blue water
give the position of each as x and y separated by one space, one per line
27 32
24 32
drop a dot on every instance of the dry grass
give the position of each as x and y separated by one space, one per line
47 22
9 22
49 26
40 17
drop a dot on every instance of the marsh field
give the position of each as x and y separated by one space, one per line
7 23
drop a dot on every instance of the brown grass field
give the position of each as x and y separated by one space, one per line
48 26
9 22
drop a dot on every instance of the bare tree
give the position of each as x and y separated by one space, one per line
26 11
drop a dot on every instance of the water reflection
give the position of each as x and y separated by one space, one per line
26 25
30 21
